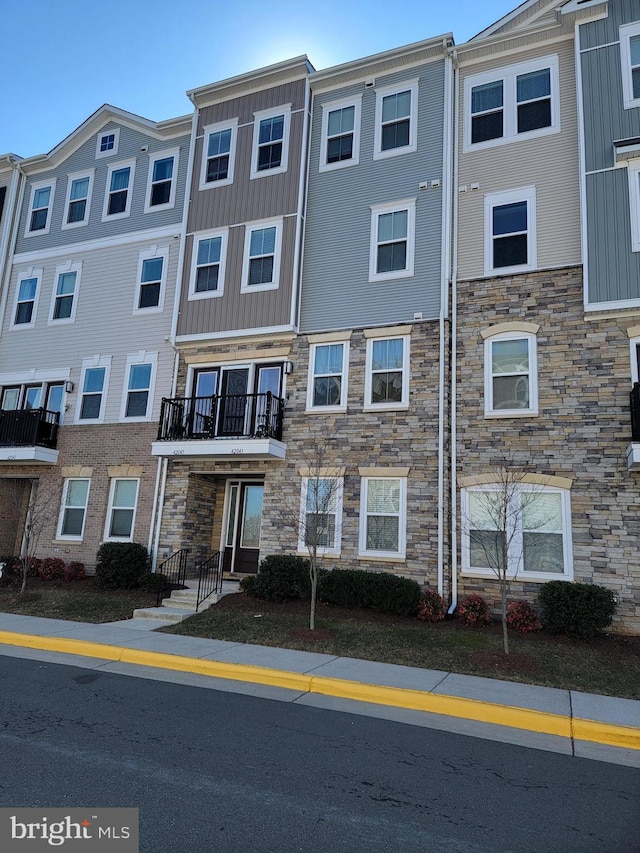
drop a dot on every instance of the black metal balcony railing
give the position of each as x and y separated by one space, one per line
29 428
226 416
635 412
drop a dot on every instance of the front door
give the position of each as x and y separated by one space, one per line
242 538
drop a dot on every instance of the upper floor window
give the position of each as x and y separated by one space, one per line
32 396
387 373
510 231
218 154
93 389
107 143
40 207
139 381
392 240
161 184
633 169
152 275
518 102
27 293
208 264
261 265
327 385
65 293
396 129
270 142
340 141
630 56
117 201
511 376
78 202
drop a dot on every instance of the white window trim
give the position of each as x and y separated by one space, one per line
112 152
633 169
492 200
162 155
207 130
402 521
634 346
626 34
40 185
147 255
510 108
518 570
135 359
392 406
110 508
28 273
74 176
344 381
337 513
250 227
205 235
65 268
113 167
285 110
377 210
63 505
407 85
88 363
356 103
532 410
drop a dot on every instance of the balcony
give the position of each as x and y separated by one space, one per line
29 435
633 451
228 426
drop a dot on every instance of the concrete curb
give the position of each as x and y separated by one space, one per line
541 722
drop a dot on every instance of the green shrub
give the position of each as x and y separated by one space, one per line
432 607
474 612
281 577
154 582
74 571
577 609
380 591
121 565
522 617
51 569
248 584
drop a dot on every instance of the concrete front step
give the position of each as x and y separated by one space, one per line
181 604
162 615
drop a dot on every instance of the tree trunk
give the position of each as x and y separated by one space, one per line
313 574
505 633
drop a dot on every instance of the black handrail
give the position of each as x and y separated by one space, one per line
209 578
174 568
224 416
29 428
635 412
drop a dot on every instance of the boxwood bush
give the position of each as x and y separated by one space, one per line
121 565
577 609
380 591
281 577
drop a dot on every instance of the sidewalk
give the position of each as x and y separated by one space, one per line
566 721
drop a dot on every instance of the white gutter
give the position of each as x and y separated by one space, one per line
294 316
152 526
582 157
160 509
10 235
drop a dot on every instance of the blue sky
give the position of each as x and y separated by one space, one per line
62 59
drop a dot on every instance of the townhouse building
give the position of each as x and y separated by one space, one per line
88 288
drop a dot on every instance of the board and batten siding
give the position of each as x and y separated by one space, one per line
105 324
550 163
336 291
84 158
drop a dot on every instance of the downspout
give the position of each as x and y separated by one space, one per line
294 317
9 238
454 333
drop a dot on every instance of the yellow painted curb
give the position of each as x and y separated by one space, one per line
416 700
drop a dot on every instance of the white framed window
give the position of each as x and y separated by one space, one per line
208 261
261 260
94 381
396 120
151 280
383 517
32 395
510 375
327 383
73 509
510 242
633 169
387 373
630 57
321 515
270 149
340 140
26 303
392 240
40 207
140 374
78 202
533 521
119 191
107 143
162 180
121 513
218 154
518 102
634 352
65 293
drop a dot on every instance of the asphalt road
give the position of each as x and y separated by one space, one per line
220 772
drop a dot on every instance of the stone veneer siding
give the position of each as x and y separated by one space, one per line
582 430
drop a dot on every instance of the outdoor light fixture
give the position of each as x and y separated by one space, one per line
68 386
288 367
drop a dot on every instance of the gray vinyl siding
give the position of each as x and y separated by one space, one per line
605 31
105 324
130 145
336 291
550 163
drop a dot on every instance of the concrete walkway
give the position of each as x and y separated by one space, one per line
566 721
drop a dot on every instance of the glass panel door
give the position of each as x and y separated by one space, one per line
269 378
203 413
233 402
